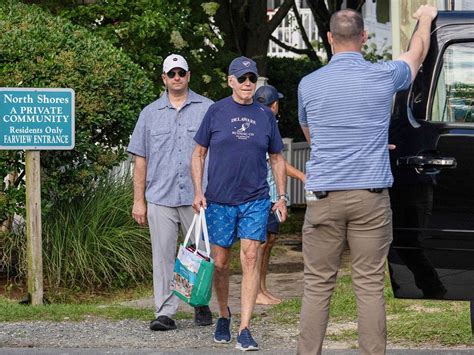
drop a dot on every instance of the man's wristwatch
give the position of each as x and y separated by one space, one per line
283 197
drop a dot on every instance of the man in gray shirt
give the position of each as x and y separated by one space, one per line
162 143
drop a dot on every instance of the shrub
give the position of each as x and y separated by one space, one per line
91 242
40 50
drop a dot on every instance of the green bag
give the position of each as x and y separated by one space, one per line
193 269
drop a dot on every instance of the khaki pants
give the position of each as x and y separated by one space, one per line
363 220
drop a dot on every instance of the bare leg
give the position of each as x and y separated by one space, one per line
250 260
264 296
221 278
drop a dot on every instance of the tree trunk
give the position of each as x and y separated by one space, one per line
257 34
322 15
257 48
246 28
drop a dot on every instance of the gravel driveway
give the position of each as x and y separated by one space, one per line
99 333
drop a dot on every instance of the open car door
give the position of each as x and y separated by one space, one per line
432 254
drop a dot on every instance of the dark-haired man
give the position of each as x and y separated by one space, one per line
238 133
162 143
344 111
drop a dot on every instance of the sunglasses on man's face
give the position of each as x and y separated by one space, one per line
171 74
252 77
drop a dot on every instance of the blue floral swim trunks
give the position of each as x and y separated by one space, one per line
226 223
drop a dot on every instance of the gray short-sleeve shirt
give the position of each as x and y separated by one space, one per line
164 137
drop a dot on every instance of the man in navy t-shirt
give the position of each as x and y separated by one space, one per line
238 133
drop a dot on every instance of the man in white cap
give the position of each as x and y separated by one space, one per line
162 143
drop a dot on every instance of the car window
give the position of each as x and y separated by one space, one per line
454 96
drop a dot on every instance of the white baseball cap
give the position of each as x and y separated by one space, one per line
174 61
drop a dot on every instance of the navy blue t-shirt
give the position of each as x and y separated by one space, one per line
238 138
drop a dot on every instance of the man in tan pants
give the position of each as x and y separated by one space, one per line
344 111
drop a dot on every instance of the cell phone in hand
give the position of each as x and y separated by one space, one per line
278 215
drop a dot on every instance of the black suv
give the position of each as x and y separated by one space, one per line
432 254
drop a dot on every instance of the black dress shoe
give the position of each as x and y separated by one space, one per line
163 323
202 316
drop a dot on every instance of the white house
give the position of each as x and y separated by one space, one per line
376 17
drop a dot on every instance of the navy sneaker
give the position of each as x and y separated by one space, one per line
245 341
222 333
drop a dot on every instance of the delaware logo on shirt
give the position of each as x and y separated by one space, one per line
243 127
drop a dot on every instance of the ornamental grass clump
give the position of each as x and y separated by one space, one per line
91 243
94 243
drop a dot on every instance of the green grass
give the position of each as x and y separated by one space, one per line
106 296
12 311
409 322
287 312
443 322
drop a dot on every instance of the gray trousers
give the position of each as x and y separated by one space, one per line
164 223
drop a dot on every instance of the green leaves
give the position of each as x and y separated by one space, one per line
374 54
12 200
150 30
177 40
210 8
40 50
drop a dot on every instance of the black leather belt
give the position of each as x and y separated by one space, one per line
321 194
376 191
324 194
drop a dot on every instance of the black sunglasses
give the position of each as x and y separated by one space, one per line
171 74
252 77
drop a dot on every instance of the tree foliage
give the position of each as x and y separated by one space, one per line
149 30
285 74
42 51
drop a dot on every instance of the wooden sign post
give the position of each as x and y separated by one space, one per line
34 120
33 227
